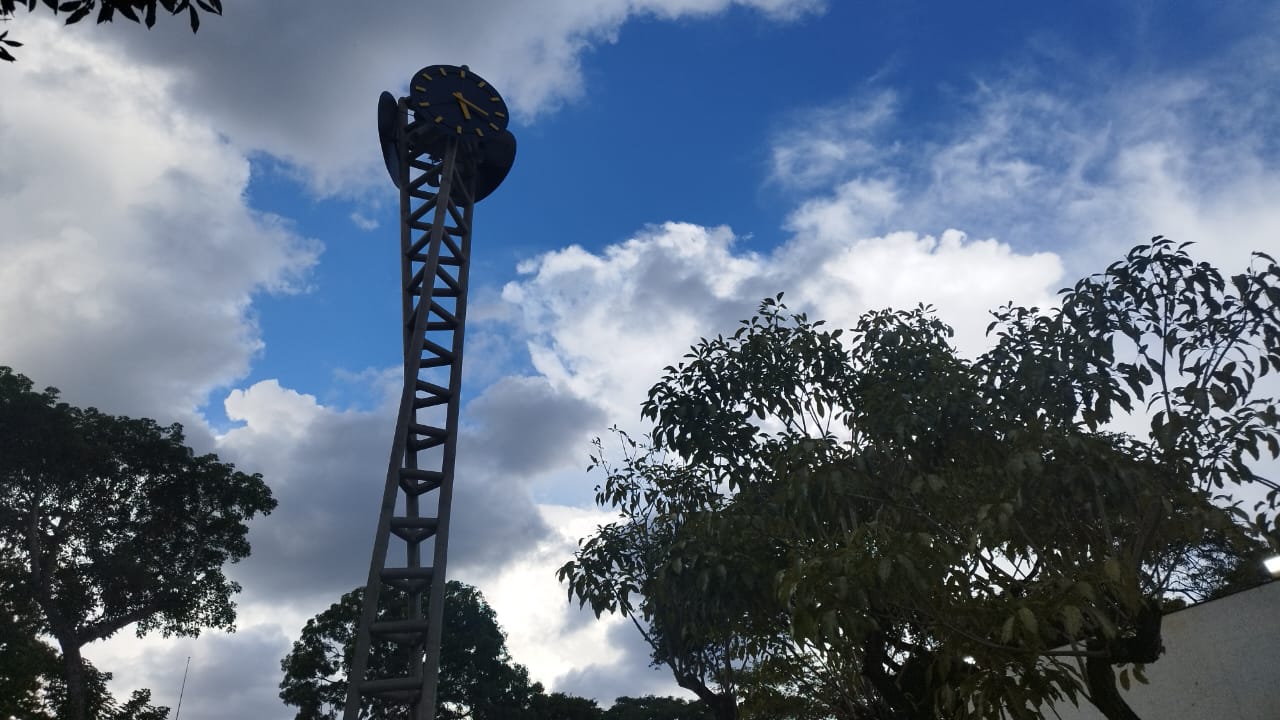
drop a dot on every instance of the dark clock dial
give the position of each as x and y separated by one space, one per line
387 110
457 101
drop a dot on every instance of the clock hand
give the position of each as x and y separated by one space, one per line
466 114
474 106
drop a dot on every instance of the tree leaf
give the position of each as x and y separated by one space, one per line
1028 620
1072 620
78 15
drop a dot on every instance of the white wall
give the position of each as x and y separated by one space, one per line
1221 662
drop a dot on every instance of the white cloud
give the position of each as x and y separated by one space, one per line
130 258
602 326
231 675
554 638
326 469
363 222
283 76
1039 164
962 278
834 141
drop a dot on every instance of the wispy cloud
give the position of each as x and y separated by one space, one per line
1087 169
363 222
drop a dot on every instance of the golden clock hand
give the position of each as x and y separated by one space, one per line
466 114
474 106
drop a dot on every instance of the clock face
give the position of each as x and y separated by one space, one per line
457 101
387 135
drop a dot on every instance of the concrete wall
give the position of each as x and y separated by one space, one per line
1221 662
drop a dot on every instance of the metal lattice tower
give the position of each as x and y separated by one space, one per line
437 177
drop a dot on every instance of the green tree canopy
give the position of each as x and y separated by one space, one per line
651 707
112 521
477 676
955 537
561 706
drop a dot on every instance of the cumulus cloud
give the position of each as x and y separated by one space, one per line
531 424
230 675
630 673
554 638
602 326
130 258
327 469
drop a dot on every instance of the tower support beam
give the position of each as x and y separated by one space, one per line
436 210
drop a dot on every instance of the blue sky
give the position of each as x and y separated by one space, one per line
228 255
672 123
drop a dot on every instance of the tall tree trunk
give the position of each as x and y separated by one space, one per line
63 629
724 706
73 673
1145 646
1103 692
894 700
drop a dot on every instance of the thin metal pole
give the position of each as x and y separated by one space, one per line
178 713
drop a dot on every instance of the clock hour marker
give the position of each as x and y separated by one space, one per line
419 88
479 132
480 84
495 98
499 114
495 127
424 104
443 72
426 76
459 129
462 73
439 118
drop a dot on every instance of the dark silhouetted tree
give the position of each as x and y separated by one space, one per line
559 706
651 707
960 538
137 11
477 676
110 522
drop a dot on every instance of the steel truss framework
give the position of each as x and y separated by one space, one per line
437 187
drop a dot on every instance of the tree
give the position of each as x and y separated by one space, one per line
709 620
138 11
559 706
973 538
26 663
40 690
627 568
112 521
477 676
651 707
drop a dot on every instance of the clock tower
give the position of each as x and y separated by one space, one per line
446 147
